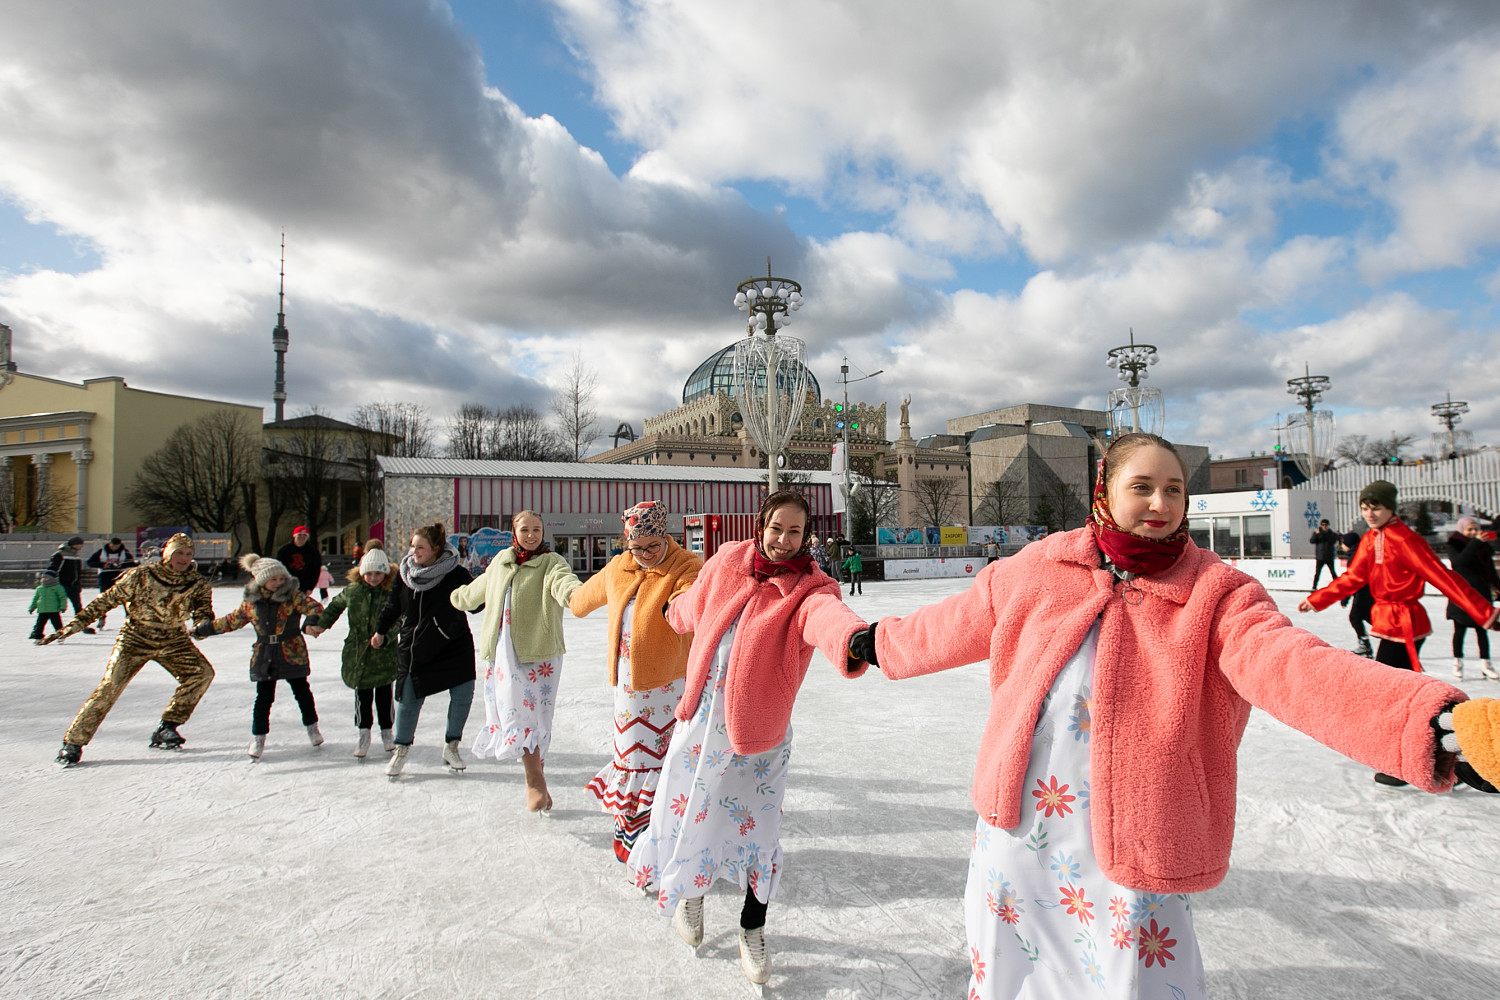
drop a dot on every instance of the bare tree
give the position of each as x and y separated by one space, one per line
574 406
400 430
1066 500
1358 449
306 463
519 433
873 503
467 430
1003 502
201 476
937 500
30 499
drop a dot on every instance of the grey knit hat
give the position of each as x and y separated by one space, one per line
262 568
1380 494
375 561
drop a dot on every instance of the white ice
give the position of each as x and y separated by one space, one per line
204 874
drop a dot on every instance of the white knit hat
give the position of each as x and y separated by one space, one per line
375 561
262 568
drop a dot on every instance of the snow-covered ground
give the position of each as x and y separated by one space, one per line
201 874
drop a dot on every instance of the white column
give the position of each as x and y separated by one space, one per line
81 459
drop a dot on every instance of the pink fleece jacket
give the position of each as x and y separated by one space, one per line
780 621
1174 679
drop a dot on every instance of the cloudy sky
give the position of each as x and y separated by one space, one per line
979 198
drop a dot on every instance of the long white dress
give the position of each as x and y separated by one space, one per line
717 813
519 699
1043 922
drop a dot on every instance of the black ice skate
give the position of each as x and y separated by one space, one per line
1363 649
70 754
167 737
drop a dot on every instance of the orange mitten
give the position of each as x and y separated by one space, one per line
1476 723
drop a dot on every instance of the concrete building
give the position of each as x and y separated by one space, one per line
85 441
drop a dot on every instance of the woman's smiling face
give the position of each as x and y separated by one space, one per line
1148 493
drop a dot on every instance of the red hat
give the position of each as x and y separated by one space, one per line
302 528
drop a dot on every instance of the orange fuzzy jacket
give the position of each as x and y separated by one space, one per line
1174 679
780 621
657 653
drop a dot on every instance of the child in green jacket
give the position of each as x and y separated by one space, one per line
49 600
854 566
370 672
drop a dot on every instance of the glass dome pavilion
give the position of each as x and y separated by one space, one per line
716 374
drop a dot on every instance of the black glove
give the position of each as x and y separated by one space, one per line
204 630
1447 741
862 645
664 606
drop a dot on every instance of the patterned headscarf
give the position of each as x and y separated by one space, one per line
646 519
177 541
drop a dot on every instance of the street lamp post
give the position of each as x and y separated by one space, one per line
1147 411
768 366
845 423
1317 425
1450 412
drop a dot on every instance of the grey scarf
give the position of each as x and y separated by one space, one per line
420 578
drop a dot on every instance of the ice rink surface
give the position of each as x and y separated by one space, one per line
204 874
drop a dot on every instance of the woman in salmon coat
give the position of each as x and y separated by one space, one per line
756 612
1123 663
647 661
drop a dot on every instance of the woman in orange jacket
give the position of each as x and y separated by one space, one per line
646 660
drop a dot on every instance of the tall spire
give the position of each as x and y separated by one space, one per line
279 338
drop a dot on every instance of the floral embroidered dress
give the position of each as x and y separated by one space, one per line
643 729
1043 921
717 813
519 699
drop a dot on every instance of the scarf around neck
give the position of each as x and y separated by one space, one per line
763 568
1133 553
524 554
420 578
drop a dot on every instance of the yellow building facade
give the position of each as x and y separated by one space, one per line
88 439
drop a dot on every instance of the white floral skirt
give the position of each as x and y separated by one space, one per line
1042 920
717 813
643 730
519 699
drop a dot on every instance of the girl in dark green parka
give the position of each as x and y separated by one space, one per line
370 672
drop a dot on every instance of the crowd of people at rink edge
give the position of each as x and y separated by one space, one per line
1123 662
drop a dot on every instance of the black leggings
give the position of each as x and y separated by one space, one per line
1393 654
1360 606
265 694
381 696
754 913
1480 635
55 617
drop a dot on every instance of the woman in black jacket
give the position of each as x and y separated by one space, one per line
435 651
1472 559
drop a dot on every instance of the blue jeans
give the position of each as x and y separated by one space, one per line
409 709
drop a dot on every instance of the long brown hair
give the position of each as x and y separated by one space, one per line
436 536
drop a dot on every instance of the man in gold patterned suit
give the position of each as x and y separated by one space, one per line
159 599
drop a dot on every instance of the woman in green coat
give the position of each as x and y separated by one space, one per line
523 592
370 672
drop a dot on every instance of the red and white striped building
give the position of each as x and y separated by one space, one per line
580 502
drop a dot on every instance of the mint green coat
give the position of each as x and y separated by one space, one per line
542 588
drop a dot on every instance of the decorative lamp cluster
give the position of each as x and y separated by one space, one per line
769 302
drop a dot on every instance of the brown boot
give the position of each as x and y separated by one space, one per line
537 797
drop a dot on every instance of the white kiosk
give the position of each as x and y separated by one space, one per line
1264 532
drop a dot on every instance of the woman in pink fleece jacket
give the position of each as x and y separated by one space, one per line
757 610
1123 664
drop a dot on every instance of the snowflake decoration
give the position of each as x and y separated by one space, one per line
1286 538
1263 500
1202 505
1312 514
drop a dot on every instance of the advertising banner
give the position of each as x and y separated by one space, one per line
476 550
950 535
1279 574
931 569
838 478
899 536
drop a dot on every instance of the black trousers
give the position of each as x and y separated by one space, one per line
1333 573
753 914
75 597
855 583
382 700
1393 654
1481 636
55 617
1360 607
265 694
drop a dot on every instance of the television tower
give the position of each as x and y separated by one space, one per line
279 338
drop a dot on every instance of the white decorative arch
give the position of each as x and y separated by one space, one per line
1473 480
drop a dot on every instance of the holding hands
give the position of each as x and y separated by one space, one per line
862 645
1471 729
314 631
